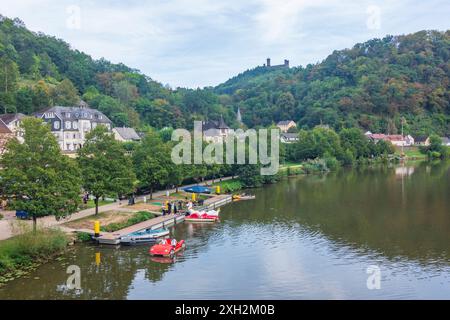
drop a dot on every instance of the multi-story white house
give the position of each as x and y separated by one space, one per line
13 121
71 124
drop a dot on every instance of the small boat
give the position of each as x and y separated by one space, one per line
197 189
238 197
143 236
198 217
167 248
214 213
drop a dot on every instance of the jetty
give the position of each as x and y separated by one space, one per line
113 238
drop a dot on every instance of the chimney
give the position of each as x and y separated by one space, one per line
268 62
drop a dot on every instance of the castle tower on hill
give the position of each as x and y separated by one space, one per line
284 65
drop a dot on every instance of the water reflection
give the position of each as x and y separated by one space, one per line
305 237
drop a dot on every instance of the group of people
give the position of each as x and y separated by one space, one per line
172 207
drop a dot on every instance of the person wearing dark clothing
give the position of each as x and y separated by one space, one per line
169 206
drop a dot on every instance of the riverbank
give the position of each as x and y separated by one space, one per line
24 253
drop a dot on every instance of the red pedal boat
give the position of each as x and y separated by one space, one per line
167 248
199 217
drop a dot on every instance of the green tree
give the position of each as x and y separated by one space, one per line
152 162
65 94
106 169
36 177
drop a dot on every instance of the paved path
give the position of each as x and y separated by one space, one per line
6 227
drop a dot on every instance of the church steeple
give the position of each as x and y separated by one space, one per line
239 116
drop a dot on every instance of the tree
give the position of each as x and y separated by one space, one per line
152 162
36 177
105 168
65 94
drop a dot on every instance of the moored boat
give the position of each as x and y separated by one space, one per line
144 236
167 248
199 217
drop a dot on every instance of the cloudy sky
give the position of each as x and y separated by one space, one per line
196 43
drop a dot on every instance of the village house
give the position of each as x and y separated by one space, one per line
124 134
5 135
286 125
288 137
446 141
13 121
216 131
396 139
422 141
71 124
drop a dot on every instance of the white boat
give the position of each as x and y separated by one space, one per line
143 236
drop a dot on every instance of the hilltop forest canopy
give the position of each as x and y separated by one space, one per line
371 86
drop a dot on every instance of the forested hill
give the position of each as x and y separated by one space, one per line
370 85
37 71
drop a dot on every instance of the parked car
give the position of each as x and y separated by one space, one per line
23 215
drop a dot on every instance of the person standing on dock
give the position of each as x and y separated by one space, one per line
169 208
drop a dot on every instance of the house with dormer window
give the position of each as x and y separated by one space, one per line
71 124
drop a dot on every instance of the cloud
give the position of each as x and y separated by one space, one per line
205 42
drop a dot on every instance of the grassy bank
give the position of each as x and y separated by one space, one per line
137 217
230 186
25 252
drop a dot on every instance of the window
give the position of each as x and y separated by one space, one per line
74 135
94 124
75 124
68 125
56 125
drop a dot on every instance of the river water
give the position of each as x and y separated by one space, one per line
306 237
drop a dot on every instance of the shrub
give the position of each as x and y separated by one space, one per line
29 247
83 237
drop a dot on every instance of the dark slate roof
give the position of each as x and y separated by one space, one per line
4 128
9 117
211 124
82 113
421 139
445 140
127 133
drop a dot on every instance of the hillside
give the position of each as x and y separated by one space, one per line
38 71
371 86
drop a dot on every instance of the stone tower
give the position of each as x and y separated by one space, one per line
239 116
268 62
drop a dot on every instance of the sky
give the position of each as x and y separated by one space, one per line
198 43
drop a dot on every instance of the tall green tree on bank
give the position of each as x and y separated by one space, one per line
105 167
152 162
36 177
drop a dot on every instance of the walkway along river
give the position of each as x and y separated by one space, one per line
306 237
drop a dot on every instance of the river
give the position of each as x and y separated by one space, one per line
306 237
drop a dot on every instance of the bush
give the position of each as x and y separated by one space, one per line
135 219
230 186
1 216
83 237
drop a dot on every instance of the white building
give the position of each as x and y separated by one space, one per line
13 122
71 124
216 131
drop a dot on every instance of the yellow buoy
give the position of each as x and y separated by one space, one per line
218 190
194 198
97 228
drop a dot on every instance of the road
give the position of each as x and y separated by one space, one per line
7 225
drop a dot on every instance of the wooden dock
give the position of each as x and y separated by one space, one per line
217 201
113 238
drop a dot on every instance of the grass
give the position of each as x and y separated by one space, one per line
91 204
25 251
135 219
411 152
1 216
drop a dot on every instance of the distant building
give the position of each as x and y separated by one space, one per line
284 65
124 134
396 139
239 116
286 125
446 141
216 131
422 141
71 124
13 122
289 137
5 135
